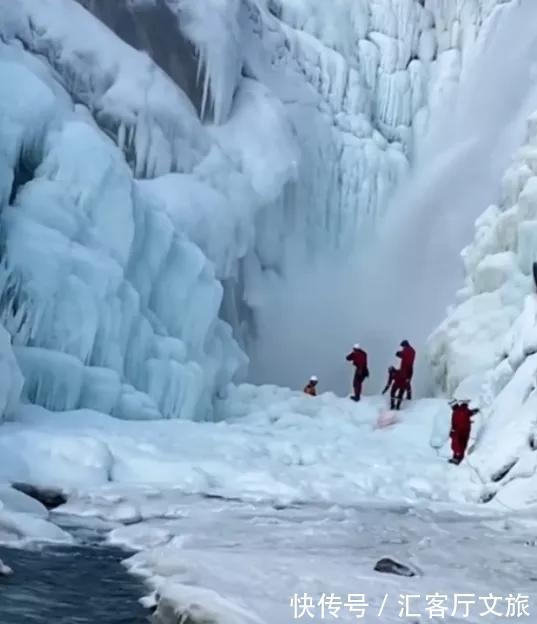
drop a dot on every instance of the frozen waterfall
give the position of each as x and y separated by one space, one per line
185 183
414 265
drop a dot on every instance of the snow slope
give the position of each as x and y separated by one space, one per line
274 445
271 446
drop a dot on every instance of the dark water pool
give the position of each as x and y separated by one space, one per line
69 585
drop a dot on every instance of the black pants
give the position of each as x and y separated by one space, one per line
396 396
357 384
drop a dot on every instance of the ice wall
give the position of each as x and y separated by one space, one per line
150 193
11 379
414 262
112 244
493 311
486 347
382 69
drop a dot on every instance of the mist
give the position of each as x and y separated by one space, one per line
400 284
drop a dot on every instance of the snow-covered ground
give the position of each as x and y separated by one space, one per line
289 495
241 563
275 445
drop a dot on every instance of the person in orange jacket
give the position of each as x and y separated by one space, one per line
397 384
358 357
461 426
311 387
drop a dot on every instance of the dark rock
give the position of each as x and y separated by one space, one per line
48 497
389 566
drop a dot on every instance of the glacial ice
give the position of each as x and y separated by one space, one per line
109 304
487 344
281 156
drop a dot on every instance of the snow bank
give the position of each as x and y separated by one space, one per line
23 520
177 602
275 445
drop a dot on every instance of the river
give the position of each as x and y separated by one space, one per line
82 584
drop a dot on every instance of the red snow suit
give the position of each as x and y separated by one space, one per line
359 358
407 355
398 383
461 425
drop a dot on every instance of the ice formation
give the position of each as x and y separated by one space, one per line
161 207
413 265
486 346
111 301
155 201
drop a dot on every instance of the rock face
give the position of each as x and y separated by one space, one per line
50 498
389 566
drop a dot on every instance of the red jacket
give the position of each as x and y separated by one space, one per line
407 355
359 359
461 417
396 378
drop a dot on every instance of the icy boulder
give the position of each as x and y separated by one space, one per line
23 520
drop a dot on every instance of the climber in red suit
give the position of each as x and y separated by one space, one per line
397 384
359 359
461 425
407 355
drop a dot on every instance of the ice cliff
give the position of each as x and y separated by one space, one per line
152 187
487 346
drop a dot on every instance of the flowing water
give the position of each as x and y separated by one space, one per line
84 584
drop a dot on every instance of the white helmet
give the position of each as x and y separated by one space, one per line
314 378
356 346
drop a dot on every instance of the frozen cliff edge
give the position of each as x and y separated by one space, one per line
487 346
